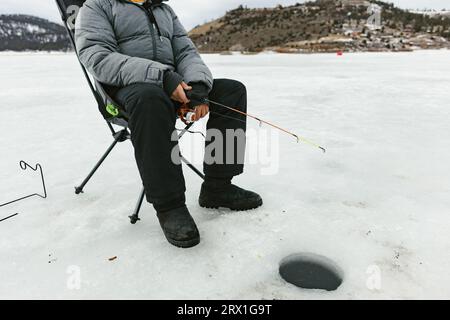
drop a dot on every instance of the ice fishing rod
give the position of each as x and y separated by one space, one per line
261 121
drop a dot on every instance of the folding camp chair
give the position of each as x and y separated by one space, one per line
112 112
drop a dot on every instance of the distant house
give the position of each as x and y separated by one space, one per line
355 3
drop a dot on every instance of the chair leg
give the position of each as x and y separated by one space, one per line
135 217
190 165
118 137
193 168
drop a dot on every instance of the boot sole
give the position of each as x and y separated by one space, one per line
233 208
183 244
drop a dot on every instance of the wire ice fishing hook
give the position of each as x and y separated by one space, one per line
9 217
297 137
24 166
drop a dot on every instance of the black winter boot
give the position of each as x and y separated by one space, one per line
219 192
179 227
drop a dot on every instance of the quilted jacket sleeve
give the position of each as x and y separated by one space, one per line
188 61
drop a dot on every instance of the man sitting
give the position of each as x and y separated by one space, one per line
141 48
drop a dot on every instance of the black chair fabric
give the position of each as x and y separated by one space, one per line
102 93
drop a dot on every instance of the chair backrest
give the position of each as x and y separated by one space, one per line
69 8
69 12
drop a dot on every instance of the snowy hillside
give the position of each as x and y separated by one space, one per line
377 202
23 32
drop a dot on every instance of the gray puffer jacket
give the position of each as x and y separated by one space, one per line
119 44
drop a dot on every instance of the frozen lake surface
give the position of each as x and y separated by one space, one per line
377 203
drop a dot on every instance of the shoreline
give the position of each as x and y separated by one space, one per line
229 53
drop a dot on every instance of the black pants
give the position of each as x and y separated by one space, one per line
152 125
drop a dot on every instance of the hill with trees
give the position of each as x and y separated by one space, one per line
323 26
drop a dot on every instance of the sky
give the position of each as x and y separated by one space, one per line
192 12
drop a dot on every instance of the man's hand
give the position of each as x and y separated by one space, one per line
200 112
180 95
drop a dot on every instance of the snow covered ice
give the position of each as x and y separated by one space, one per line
377 203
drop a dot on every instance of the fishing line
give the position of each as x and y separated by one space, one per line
261 121
192 132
